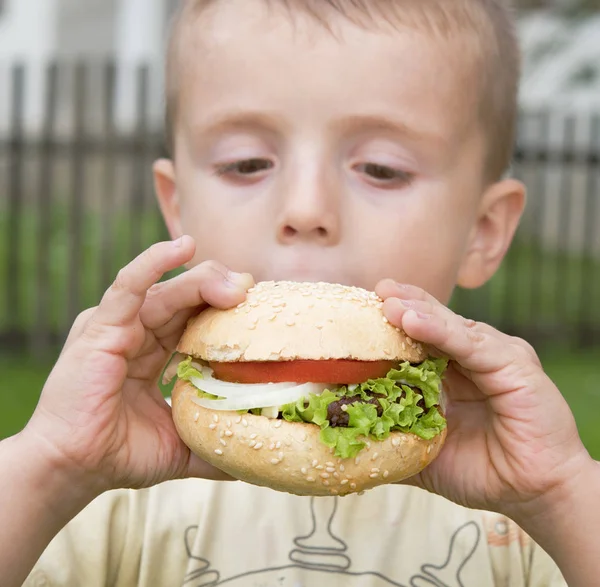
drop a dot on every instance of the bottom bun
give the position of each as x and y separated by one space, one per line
288 456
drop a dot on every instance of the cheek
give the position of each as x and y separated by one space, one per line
234 236
415 246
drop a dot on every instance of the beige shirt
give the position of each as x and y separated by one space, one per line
201 533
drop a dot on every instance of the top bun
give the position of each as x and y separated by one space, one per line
286 321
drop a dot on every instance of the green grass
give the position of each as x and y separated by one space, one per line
575 374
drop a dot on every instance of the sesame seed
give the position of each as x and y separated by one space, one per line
218 451
275 461
335 492
310 479
374 457
272 446
258 446
342 468
245 422
252 443
403 346
228 433
252 327
272 317
253 436
303 470
374 475
374 470
223 442
352 486
319 467
280 455
330 469
304 437
386 474
278 445
212 426
409 340
228 425
385 320
196 416
238 419
290 322
236 311
315 463
343 481
336 475
329 464
326 483
395 442
215 418
428 449
357 460
278 423
221 433
324 475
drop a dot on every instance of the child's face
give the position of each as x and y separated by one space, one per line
348 158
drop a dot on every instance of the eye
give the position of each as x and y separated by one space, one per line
245 167
384 175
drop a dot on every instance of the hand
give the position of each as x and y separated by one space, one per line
101 413
512 440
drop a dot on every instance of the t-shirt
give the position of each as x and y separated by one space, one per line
198 533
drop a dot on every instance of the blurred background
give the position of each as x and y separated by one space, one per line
81 122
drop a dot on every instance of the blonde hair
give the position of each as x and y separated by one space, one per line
488 25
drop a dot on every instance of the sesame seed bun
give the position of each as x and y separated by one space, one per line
288 456
284 321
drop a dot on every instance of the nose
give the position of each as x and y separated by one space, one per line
309 211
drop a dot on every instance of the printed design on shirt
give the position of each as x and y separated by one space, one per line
200 575
320 555
502 531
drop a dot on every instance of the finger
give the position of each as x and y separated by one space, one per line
173 302
389 288
125 297
78 327
199 468
476 347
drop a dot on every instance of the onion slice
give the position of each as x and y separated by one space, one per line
226 389
260 396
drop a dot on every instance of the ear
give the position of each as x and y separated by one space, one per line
166 193
497 220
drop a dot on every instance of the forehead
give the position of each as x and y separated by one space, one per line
244 55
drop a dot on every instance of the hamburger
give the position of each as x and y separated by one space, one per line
307 388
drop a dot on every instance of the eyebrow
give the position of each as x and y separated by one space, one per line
239 120
376 122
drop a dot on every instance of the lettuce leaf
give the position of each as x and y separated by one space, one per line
186 371
399 407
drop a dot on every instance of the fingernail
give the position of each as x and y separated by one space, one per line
423 316
402 286
407 303
178 242
234 279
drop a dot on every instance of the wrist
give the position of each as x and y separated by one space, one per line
563 520
58 487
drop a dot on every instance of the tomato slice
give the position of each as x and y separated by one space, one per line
334 371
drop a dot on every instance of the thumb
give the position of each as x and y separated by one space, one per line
201 469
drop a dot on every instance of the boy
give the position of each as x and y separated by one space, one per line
341 141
